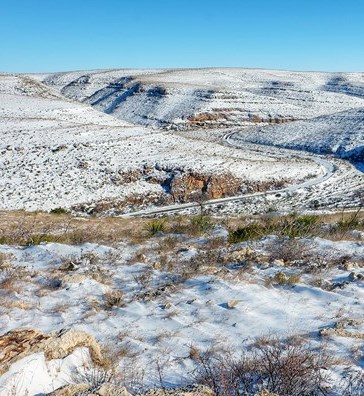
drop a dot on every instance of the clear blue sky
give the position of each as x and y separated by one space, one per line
56 35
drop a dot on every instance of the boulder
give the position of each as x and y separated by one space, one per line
20 343
192 390
88 390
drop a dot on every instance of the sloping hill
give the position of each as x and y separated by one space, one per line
195 98
57 152
340 133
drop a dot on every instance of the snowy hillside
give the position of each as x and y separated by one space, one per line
118 140
223 96
340 133
56 152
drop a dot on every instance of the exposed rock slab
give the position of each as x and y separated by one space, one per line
17 344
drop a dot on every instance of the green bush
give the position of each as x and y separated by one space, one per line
58 211
155 226
202 223
248 233
300 226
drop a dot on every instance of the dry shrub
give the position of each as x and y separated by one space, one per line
168 243
5 262
286 367
114 299
288 250
352 383
216 243
281 279
199 264
143 278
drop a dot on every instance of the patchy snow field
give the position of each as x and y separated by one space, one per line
162 316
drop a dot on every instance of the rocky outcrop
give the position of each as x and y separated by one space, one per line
178 184
344 328
113 390
88 390
18 344
192 390
186 185
227 117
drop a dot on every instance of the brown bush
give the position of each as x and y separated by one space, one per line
286 367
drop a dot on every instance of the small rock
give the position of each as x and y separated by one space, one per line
354 276
350 266
232 303
112 390
279 263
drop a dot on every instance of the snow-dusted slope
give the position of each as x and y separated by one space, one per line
163 318
229 96
329 106
56 152
339 133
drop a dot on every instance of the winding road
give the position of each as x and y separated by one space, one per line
328 168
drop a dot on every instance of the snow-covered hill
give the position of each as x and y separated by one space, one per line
121 139
340 133
56 152
189 98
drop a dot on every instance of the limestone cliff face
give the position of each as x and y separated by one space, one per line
191 185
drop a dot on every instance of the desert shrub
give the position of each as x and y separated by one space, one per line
300 226
201 223
143 279
199 263
216 243
5 262
288 250
291 226
154 226
58 211
281 279
352 383
347 224
167 244
127 374
192 225
285 367
248 233
37 239
114 299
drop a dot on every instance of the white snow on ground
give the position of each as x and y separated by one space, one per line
191 313
34 375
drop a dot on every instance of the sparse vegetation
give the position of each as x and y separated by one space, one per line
58 211
156 226
114 298
281 279
284 367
